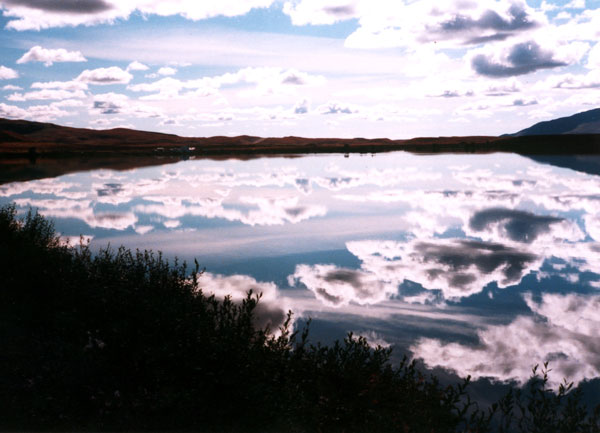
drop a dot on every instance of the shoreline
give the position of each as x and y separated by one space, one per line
242 146
33 150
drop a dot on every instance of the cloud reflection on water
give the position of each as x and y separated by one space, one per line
457 267
563 330
428 241
272 308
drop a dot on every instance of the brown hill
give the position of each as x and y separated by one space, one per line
35 139
32 150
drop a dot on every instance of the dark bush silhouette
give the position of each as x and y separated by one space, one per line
122 340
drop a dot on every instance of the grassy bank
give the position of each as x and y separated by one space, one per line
123 340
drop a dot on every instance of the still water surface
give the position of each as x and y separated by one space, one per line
481 264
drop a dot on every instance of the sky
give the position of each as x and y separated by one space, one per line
313 68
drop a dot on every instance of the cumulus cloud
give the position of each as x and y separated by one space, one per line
335 107
387 24
489 26
81 210
103 76
110 103
563 330
117 103
137 66
11 87
271 310
266 80
590 80
339 287
57 90
593 61
12 111
522 58
41 113
61 85
456 267
75 7
50 56
8 73
524 103
513 224
318 12
465 267
167 70
302 107
41 14
266 212
47 94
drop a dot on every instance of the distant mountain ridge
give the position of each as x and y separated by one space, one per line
587 122
32 140
34 150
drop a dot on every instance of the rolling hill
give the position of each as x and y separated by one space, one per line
587 122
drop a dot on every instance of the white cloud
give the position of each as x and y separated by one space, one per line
50 56
590 80
8 73
456 267
335 107
546 7
563 15
317 12
265 211
11 87
60 85
388 23
117 103
302 107
265 81
82 210
46 113
137 66
563 330
35 15
338 287
12 111
271 310
575 4
103 76
497 224
110 103
167 70
41 113
48 94
594 57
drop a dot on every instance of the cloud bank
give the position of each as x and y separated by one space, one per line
50 56
563 330
42 14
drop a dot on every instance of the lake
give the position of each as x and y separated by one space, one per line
479 264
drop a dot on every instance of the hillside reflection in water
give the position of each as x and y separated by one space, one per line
482 264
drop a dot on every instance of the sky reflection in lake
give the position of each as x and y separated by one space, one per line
483 264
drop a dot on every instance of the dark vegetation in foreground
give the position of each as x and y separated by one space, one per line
123 340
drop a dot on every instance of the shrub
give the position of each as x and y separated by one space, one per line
123 340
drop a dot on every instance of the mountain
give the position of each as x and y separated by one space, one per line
587 122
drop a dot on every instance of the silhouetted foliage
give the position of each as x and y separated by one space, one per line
538 409
122 340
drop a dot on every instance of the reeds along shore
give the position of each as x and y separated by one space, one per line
124 340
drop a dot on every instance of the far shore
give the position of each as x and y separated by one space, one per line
32 150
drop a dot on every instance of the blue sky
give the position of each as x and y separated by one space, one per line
343 68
